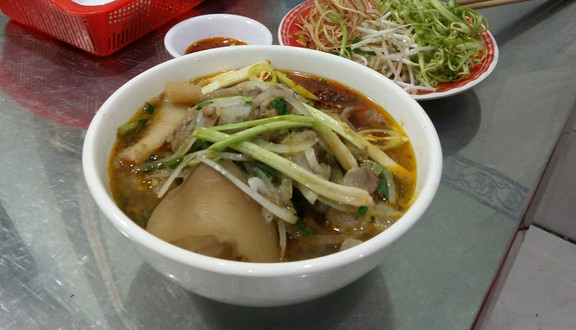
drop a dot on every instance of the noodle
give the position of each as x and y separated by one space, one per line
322 33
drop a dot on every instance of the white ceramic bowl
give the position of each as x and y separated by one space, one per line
245 29
254 284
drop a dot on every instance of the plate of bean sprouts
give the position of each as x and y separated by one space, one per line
431 49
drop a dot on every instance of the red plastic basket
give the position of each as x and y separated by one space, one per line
100 30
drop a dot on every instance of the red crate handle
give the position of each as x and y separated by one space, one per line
77 9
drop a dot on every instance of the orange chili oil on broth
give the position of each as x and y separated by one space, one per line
214 42
336 96
135 194
132 191
366 114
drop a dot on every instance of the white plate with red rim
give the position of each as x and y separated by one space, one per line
286 37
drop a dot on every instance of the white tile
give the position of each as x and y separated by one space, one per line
540 292
556 209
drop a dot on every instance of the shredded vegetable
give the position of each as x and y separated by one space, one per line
419 44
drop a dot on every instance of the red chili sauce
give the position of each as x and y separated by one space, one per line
214 42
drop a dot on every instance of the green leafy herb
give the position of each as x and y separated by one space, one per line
280 105
372 220
361 211
301 230
383 186
149 108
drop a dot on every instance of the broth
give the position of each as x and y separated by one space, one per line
321 228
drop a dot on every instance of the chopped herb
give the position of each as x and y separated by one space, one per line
149 108
301 230
152 157
280 105
372 220
127 128
383 186
361 211
203 104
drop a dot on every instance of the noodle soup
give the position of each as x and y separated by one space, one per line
262 165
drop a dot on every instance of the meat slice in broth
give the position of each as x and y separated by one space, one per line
208 214
167 118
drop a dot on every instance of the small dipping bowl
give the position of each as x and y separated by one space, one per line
194 29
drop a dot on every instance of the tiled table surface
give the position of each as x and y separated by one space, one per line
540 291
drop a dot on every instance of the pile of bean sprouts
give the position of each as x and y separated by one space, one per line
384 35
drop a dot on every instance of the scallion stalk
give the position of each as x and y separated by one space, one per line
339 193
254 131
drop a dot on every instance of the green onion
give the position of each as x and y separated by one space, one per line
336 146
232 77
336 192
453 35
346 132
256 122
127 128
344 32
294 86
203 104
254 131
172 163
